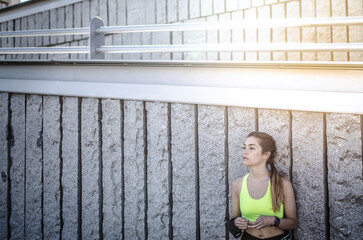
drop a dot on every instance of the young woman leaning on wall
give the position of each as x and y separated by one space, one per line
263 202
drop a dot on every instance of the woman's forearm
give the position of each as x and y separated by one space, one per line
287 224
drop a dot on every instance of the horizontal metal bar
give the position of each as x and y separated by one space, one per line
325 65
36 50
245 24
248 47
46 32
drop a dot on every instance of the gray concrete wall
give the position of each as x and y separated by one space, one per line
113 169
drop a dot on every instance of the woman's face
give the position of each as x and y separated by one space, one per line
252 153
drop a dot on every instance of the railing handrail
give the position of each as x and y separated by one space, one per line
45 32
246 47
97 31
243 24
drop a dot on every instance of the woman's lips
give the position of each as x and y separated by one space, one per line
244 158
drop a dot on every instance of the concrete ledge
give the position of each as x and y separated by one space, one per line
325 87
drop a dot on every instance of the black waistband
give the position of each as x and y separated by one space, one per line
247 236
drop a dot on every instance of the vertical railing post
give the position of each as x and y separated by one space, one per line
96 39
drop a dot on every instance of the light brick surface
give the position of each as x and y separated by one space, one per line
10 41
183 8
264 34
112 169
177 39
237 36
195 37
157 170
345 175
244 4
194 9
70 152
231 5
307 143
17 168
212 38
251 34
90 168
61 23
218 6
172 11
77 21
4 98
293 34
183 159
51 167
161 38
212 171
225 37
34 166
53 24
206 7
278 34
69 18
134 171
277 124
257 3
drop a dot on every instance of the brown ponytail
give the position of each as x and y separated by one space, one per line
268 144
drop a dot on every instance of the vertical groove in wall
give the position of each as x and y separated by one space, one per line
170 175
61 168
331 29
257 38
10 143
290 147
326 187
122 169
300 28
347 27
285 16
226 161
361 132
100 171
145 168
79 197
256 120
291 157
42 196
24 182
196 143
271 33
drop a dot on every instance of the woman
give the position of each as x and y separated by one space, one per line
263 202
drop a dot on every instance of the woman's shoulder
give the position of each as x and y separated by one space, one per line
237 183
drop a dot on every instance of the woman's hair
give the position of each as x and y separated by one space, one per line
268 144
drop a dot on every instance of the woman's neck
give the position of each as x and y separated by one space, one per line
259 173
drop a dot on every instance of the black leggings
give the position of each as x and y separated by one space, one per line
284 236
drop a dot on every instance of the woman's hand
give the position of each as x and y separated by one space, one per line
262 221
241 223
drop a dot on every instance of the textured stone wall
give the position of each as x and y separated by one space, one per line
117 169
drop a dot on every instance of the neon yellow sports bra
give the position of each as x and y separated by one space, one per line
252 208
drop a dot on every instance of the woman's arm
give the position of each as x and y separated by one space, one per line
240 222
290 221
235 198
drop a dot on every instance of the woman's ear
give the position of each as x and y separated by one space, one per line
266 155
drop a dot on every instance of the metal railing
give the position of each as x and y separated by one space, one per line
97 31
